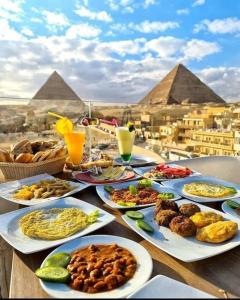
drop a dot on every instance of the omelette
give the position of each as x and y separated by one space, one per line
209 190
217 232
55 223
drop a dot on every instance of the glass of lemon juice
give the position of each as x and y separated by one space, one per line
125 139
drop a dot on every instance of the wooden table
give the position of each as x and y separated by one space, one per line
218 275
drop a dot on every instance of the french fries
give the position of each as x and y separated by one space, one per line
43 189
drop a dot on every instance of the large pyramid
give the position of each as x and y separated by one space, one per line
181 86
59 95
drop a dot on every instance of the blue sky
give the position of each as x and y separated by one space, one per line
117 50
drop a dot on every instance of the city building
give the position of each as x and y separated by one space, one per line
216 142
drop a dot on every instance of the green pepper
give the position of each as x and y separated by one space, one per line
166 196
132 190
233 204
145 183
108 188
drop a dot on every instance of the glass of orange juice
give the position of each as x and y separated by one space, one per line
75 142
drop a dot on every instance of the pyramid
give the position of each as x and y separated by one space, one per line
59 95
181 86
55 88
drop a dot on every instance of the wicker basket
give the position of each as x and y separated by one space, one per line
13 171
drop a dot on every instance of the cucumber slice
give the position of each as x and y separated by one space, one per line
53 274
134 214
145 226
58 260
233 204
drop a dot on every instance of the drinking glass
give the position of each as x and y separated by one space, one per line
75 142
125 140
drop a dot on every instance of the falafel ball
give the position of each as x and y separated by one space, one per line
164 217
162 204
183 226
189 209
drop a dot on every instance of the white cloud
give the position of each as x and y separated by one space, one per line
153 27
228 25
26 31
125 6
223 80
8 33
183 11
147 3
165 46
198 2
197 49
11 9
36 20
83 30
98 16
55 20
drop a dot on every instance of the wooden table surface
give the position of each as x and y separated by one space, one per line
218 275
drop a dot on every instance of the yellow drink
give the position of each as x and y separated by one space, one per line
75 144
125 142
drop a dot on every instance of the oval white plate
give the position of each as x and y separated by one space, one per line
229 210
7 189
105 196
143 272
142 170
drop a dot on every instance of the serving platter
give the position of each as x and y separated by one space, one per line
11 232
88 178
142 170
231 211
186 249
106 197
163 287
178 186
136 160
142 274
7 189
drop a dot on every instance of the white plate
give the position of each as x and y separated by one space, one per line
143 272
163 287
105 196
229 210
7 189
10 231
136 160
186 249
142 170
178 185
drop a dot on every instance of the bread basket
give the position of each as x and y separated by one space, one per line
12 171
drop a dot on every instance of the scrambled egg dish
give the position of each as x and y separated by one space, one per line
55 223
217 232
211 190
201 219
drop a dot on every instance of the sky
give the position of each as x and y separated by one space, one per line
117 50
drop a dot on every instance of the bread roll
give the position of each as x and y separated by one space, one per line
21 147
24 158
37 156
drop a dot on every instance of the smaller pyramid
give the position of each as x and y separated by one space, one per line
181 86
55 88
